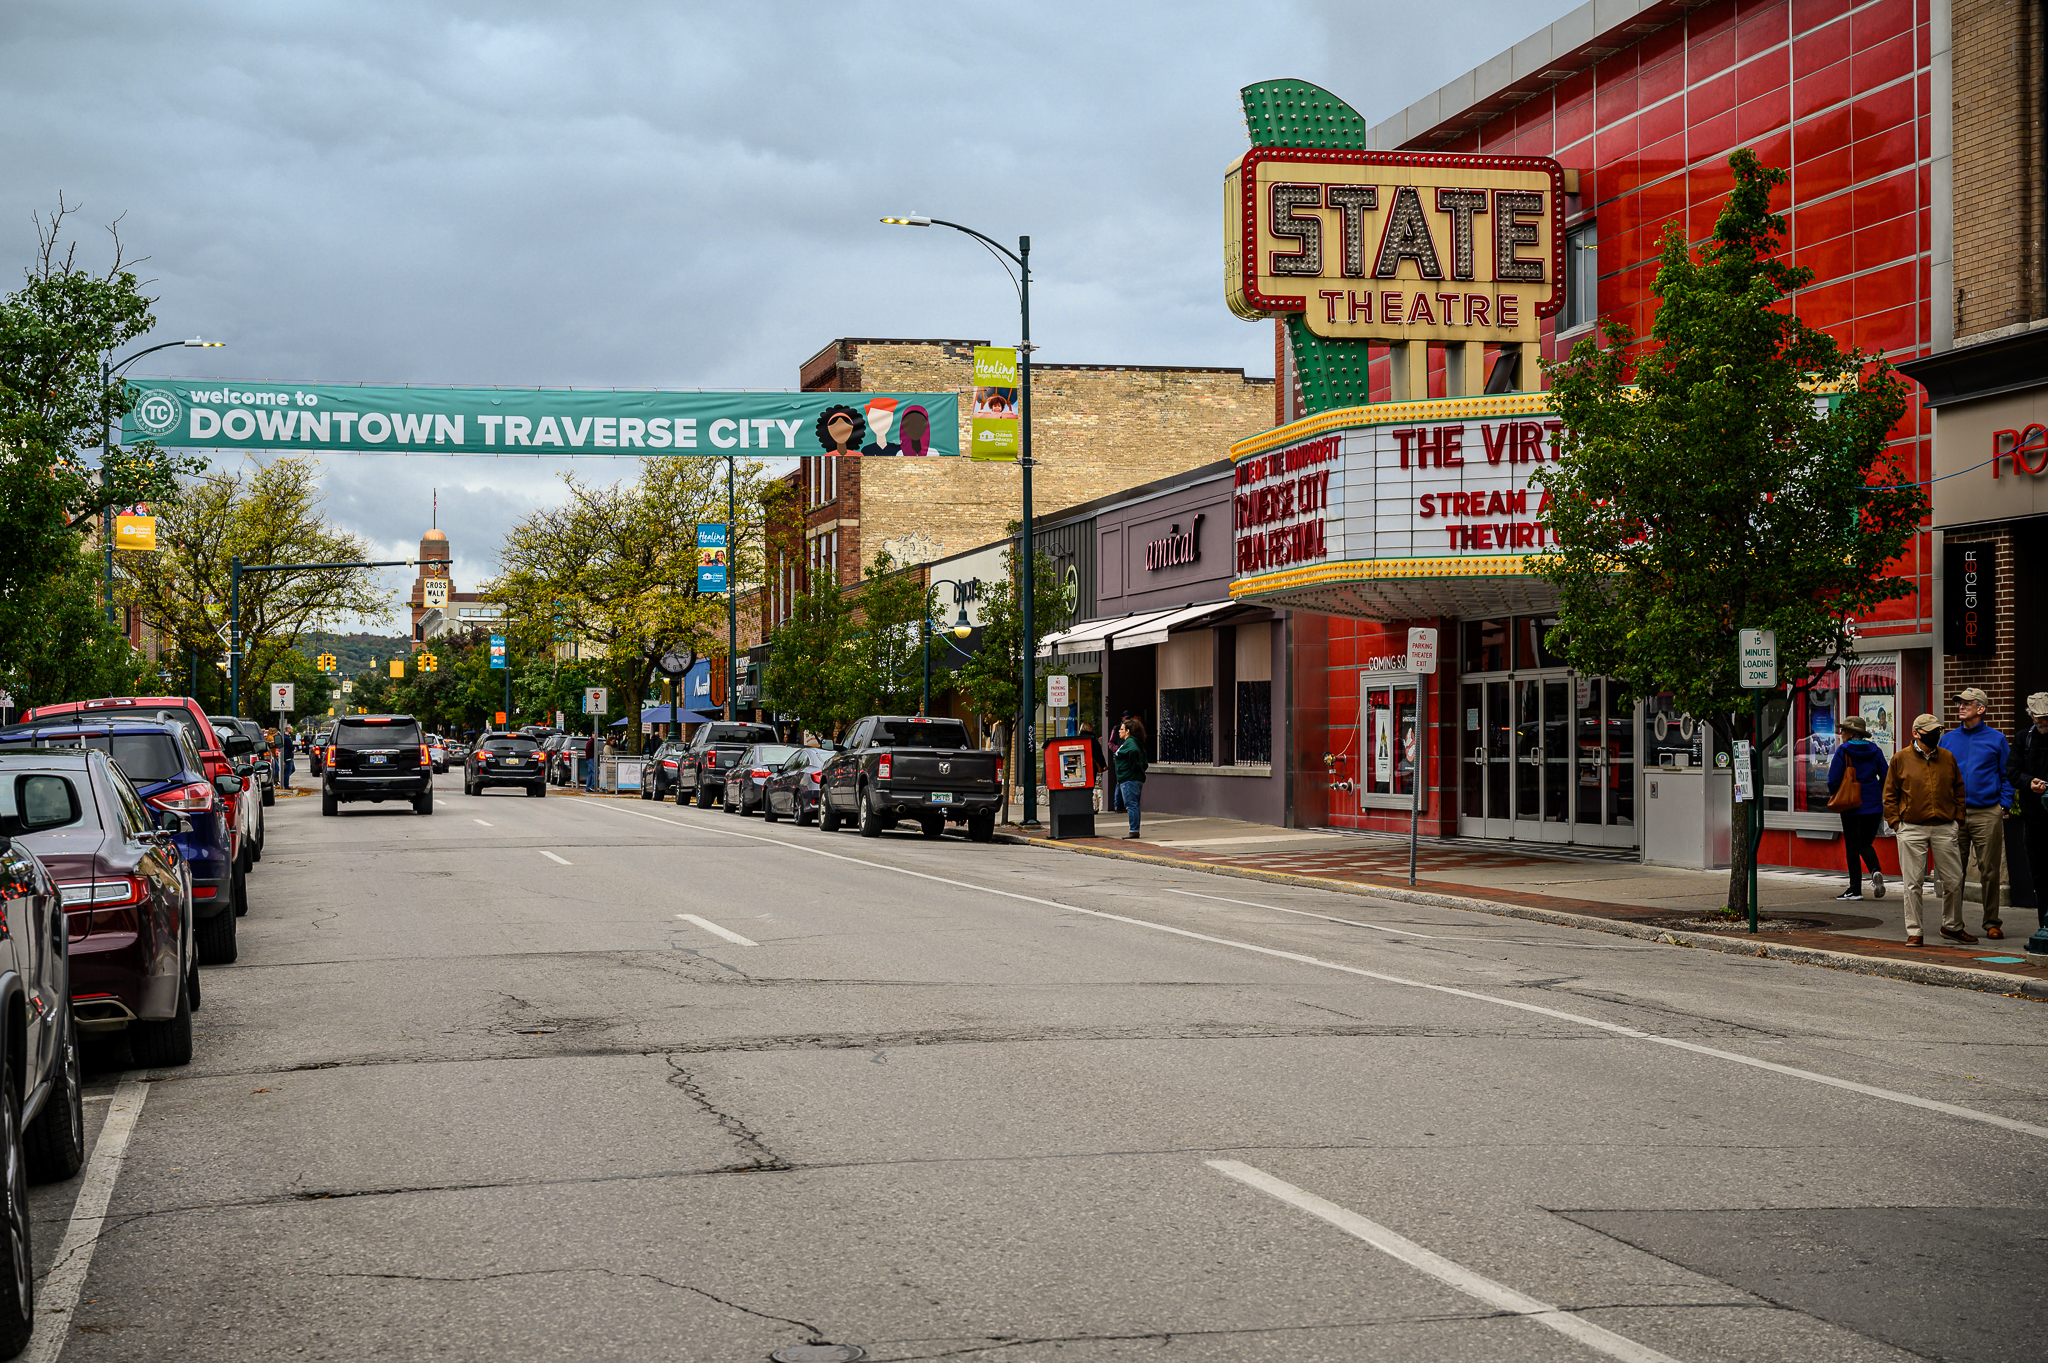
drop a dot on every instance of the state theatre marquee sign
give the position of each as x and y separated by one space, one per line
1396 511
1396 246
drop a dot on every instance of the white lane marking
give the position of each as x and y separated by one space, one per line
1497 1295
552 857
1275 908
716 930
486 825
1850 1085
57 1294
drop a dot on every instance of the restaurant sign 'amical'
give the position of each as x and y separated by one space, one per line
1396 246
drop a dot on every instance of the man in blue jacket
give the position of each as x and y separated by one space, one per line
1984 755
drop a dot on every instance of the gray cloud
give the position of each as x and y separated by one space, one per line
665 195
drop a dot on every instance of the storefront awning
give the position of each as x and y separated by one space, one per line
1093 636
1405 589
1194 617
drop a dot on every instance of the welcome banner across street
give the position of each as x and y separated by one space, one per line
246 414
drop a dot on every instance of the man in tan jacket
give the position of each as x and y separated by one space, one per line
1923 798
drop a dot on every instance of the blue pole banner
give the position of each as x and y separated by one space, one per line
497 650
249 414
711 557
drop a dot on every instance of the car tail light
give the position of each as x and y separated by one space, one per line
882 768
760 773
425 760
812 777
195 798
205 891
330 756
85 894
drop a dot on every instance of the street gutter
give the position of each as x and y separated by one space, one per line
1913 972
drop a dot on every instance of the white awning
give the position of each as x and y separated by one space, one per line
1192 617
1090 636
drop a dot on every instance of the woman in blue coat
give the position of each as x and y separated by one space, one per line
1859 829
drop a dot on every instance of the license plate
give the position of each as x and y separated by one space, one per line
510 761
942 797
376 761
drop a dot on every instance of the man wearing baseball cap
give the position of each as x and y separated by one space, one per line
1983 754
1923 798
2028 775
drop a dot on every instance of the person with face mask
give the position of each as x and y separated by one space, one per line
2028 776
1923 798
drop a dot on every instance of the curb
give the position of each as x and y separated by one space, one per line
1912 972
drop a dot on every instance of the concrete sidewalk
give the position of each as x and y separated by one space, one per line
1802 918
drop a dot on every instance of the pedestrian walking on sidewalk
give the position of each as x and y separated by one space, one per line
286 746
2028 775
590 751
1130 770
1983 754
1859 826
1923 799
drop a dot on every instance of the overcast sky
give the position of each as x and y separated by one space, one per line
663 195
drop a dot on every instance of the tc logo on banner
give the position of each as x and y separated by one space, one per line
995 431
711 563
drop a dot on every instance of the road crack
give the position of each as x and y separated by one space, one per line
816 1335
761 1157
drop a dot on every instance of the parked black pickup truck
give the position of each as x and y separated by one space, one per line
701 772
898 767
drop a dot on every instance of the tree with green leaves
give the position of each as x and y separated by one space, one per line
810 660
894 610
56 406
1734 470
992 681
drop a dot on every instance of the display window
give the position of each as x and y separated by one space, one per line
1796 764
1388 723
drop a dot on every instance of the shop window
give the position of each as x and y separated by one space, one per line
1255 722
1531 650
1486 645
1581 278
1187 724
1390 740
1796 765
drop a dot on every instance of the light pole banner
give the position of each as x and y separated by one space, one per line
996 426
711 557
247 414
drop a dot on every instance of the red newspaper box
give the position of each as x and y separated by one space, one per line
1070 787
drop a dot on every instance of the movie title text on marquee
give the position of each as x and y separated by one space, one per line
1413 490
1396 246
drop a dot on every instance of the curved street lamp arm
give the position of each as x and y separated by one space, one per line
116 368
990 241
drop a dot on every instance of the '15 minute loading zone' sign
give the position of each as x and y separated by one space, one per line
245 414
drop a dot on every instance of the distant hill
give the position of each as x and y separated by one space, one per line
355 653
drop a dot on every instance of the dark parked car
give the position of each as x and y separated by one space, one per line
42 1112
168 775
793 789
555 752
701 775
897 767
127 893
260 758
747 779
501 759
377 758
658 778
249 763
315 750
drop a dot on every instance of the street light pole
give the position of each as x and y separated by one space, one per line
732 607
107 373
235 570
1028 704
961 629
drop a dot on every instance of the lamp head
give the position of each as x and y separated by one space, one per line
196 344
961 629
914 220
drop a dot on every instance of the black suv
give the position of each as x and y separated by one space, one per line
502 759
377 758
700 774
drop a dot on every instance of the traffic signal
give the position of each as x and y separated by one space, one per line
326 662
429 663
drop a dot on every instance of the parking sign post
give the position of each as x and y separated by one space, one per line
1422 662
1756 656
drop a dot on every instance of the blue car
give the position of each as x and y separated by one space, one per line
159 760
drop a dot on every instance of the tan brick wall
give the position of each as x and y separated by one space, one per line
1095 430
1999 195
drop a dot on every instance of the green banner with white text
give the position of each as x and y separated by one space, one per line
246 414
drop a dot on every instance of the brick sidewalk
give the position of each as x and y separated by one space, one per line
1802 917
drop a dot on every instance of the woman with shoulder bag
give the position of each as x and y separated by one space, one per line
1856 792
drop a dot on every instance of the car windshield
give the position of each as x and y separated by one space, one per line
145 757
517 745
768 754
738 733
377 733
920 733
201 738
806 759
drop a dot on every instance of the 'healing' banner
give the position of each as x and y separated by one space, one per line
244 414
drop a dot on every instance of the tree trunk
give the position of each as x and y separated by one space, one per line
1741 839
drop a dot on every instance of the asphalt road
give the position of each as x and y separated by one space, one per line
501 1084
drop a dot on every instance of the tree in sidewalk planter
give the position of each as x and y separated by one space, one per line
268 514
992 681
891 615
615 567
811 663
1733 471
55 332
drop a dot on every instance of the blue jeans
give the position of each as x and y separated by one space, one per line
1131 791
287 771
590 775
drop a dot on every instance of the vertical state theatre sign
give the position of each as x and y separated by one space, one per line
1388 247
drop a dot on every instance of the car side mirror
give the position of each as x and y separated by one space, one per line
44 801
228 785
168 821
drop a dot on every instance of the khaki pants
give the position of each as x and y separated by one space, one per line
1983 831
1918 843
